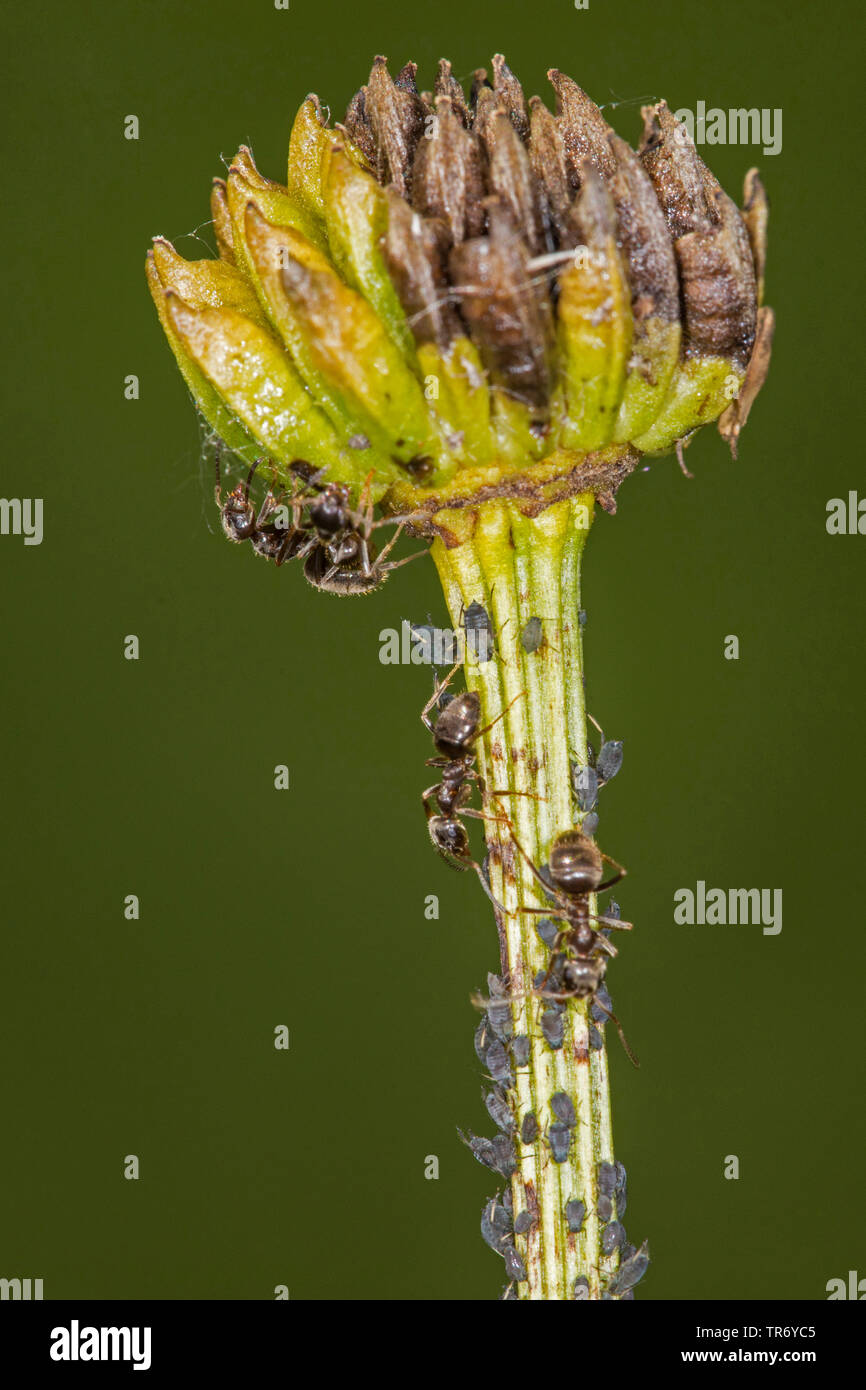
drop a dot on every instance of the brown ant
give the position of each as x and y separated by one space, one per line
241 521
580 953
339 555
454 731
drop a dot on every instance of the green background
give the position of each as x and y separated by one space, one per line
306 907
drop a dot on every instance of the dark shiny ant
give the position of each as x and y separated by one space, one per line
263 528
454 731
340 557
331 537
579 953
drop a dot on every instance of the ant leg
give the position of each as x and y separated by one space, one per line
622 1037
437 691
217 461
249 481
395 564
501 715
613 922
500 907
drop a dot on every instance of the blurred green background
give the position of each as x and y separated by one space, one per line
306 907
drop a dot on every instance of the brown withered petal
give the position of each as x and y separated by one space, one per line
584 129
447 86
357 127
549 168
756 211
737 413
643 237
592 215
510 94
413 251
405 79
396 119
447 176
510 177
480 83
676 171
508 314
485 108
717 279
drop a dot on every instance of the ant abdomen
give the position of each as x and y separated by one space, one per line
457 724
575 863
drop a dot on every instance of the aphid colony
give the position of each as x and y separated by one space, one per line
579 952
313 520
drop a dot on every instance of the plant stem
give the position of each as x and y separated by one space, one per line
520 567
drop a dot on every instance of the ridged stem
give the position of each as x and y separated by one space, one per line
519 567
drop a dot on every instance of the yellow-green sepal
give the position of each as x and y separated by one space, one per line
654 355
455 388
702 387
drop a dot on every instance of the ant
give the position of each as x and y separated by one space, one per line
339 555
579 954
241 522
454 731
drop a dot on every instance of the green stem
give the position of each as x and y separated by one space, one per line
520 567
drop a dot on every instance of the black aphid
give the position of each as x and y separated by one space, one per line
480 637
483 1039
495 1225
584 784
520 1048
631 1271
532 636
499 1110
551 1027
497 1063
596 1041
621 1190
547 930
609 760
523 1222
499 1014
612 1237
506 1159
575 1211
529 1128
514 1266
607 1178
563 1108
605 1207
559 1138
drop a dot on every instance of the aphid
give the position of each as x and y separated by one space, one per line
520 1048
584 784
529 1128
612 1237
497 1064
523 1222
605 1207
483 1039
499 1110
455 731
559 1138
514 1266
609 761
581 953
481 1148
551 1027
480 637
547 930
532 636
506 1158
499 1014
607 1178
631 1271
563 1108
575 1211
495 1225
581 617
621 1190
589 824
596 1041
601 1005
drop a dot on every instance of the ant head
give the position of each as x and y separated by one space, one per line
238 515
582 977
457 724
576 865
